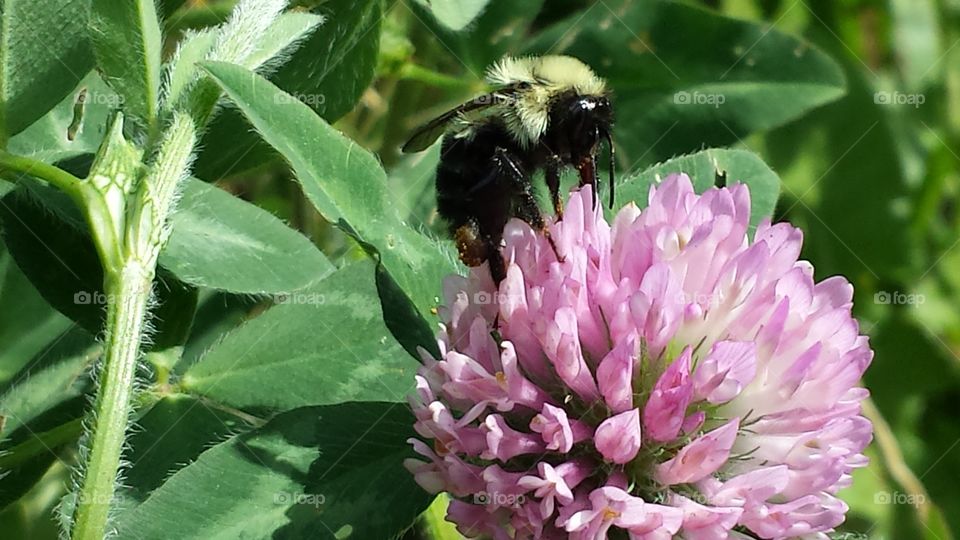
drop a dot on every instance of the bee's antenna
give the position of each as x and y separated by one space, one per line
606 135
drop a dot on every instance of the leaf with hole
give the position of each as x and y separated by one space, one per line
74 128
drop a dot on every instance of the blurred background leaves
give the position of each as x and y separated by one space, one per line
854 105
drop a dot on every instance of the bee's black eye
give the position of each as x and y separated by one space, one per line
604 108
591 109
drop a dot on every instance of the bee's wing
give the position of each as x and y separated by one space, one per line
433 130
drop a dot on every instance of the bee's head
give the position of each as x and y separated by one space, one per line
579 122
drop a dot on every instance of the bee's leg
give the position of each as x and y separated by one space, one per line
529 211
527 208
498 270
552 174
588 175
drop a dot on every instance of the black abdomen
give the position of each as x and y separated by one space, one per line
470 185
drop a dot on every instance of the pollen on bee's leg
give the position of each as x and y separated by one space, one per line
470 246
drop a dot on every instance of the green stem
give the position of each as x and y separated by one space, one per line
128 292
434 78
56 176
127 296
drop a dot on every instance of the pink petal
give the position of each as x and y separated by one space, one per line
700 458
618 437
726 370
666 408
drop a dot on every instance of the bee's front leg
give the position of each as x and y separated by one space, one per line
552 175
527 208
588 175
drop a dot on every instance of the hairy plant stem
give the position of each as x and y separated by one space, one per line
143 215
127 296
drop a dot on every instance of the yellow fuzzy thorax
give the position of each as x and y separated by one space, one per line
527 114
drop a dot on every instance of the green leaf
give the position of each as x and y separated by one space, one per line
44 54
704 168
217 314
56 375
315 472
325 344
28 471
328 71
34 515
42 406
182 70
217 241
221 242
500 29
26 330
674 94
50 243
283 39
434 520
344 182
75 127
339 60
46 237
170 436
843 183
454 14
175 315
413 180
283 35
168 7
127 44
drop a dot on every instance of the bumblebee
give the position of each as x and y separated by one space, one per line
546 113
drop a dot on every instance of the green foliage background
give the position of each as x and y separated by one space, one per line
306 256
